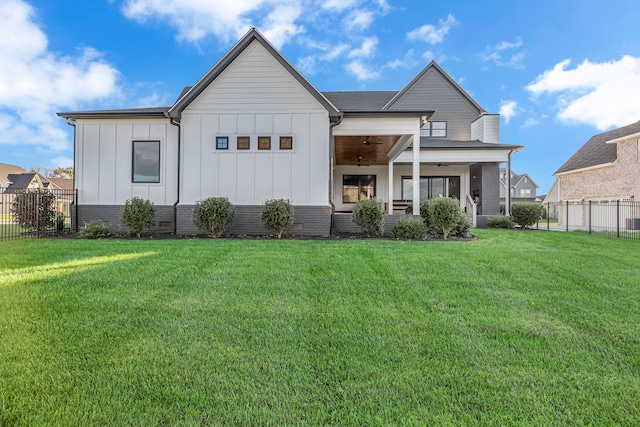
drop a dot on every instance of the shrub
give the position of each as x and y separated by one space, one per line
443 216
277 215
410 227
500 221
214 215
368 214
526 213
138 214
94 230
34 210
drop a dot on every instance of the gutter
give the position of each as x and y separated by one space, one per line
175 205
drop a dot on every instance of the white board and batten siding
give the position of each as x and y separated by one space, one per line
104 159
255 96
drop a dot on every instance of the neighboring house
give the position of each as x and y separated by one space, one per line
6 170
26 181
523 188
253 128
606 167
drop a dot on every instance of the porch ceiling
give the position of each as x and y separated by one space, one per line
349 148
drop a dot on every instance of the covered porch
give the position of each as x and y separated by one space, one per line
377 157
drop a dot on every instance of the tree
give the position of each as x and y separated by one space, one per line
61 172
34 210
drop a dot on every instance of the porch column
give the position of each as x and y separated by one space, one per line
390 204
507 195
416 173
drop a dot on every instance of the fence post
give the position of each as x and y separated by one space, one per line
618 218
548 205
37 194
590 213
567 216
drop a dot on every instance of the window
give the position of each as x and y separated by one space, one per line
244 142
146 161
358 187
432 187
434 129
525 192
222 142
264 143
286 142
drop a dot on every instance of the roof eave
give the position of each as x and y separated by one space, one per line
586 169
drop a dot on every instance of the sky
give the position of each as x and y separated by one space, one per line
557 72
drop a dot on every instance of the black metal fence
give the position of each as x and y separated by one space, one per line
617 218
37 213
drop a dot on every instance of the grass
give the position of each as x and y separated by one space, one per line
537 328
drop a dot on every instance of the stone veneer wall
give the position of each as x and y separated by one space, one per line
619 181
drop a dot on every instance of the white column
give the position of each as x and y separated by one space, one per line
416 173
390 204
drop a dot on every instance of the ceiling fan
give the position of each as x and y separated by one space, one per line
359 163
369 142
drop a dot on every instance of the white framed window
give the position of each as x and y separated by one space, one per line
434 129
145 162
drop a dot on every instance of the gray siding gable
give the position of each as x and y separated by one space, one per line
433 89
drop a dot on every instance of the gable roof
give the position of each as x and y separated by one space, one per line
21 181
7 169
62 183
433 65
253 35
359 100
596 151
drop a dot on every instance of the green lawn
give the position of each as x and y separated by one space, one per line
536 328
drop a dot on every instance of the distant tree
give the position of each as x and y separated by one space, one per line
61 172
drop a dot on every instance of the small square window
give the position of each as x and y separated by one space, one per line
264 143
244 143
286 142
222 142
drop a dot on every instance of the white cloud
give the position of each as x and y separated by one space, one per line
62 162
407 62
366 50
430 33
508 109
195 20
360 71
599 94
358 20
35 82
498 54
339 5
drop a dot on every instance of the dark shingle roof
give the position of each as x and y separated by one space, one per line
596 151
360 101
20 181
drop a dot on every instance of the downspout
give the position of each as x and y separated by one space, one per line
72 122
507 200
331 164
175 205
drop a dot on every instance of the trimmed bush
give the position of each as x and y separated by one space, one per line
138 214
500 221
95 229
34 210
526 213
443 217
277 215
410 227
214 215
368 214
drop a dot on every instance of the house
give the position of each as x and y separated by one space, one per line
605 168
523 188
6 170
254 128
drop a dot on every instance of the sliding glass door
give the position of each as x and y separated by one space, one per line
432 187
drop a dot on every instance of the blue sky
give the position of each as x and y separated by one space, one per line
557 71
